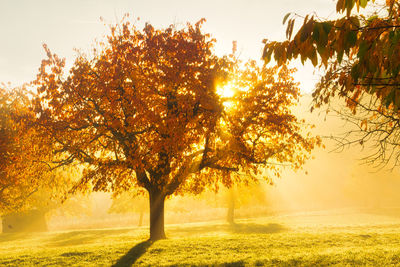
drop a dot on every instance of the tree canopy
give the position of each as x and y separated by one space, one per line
358 52
24 155
143 110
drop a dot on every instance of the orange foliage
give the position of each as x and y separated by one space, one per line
143 111
22 153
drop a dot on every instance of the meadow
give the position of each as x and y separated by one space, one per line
341 238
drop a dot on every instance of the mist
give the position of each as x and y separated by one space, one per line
333 181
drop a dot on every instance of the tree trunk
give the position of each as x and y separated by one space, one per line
141 218
231 207
156 215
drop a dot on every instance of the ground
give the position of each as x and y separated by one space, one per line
304 239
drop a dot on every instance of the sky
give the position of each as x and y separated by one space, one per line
75 24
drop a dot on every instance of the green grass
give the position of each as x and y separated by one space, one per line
303 240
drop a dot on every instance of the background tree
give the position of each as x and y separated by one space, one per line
132 201
244 196
142 110
20 152
359 55
27 182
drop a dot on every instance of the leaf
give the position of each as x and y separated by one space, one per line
290 28
349 6
322 53
395 37
351 38
306 30
340 56
278 53
314 57
372 18
286 17
364 123
363 3
362 49
390 98
267 54
355 72
340 5
327 26
303 58
316 31
322 37
303 35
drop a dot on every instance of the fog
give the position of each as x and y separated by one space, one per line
337 178
333 181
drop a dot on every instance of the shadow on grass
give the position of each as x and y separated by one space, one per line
83 236
133 254
73 237
238 228
7 237
252 228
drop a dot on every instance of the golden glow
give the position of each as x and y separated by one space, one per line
227 92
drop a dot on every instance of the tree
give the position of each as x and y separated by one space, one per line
19 177
142 111
26 179
130 202
251 195
29 187
359 56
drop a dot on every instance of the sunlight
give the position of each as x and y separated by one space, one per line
226 92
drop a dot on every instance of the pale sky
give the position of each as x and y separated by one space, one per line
65 25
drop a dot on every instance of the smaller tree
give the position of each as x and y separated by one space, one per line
130 202
27 180
20 152
243 196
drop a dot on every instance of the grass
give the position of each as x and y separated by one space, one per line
304 239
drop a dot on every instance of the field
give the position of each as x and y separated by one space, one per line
308 239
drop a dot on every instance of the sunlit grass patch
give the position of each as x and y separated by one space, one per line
302 240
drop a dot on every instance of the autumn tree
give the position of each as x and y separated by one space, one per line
26 180
142 110
358 53
14 155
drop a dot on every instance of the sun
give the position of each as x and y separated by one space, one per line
226 91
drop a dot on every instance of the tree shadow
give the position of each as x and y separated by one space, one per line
72 238
7 237
133 254
237 228
252 228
